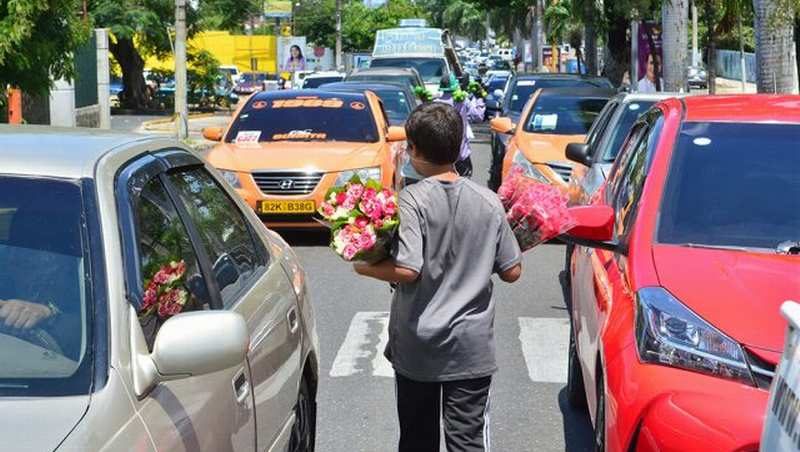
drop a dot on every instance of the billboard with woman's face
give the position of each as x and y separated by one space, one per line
291 53
650 58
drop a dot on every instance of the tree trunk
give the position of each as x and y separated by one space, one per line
134 93
590 29
617 58
775 59
675 23
797 45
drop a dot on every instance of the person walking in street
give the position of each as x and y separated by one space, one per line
471 109
453 237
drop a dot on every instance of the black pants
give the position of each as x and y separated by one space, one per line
461 407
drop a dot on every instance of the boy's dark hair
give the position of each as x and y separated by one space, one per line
435 129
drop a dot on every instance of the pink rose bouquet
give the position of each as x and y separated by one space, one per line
363 218
164 293
537 212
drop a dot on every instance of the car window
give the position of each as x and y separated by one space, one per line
328 117
563 115
600 125
632 175
521 90
611 142
45 288
172 279
733 184
223 230
315 82
430 69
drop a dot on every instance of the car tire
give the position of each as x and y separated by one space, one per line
600 416
576 393
304 430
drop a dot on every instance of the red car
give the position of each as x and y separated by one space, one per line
681 264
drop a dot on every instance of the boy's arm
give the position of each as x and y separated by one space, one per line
387 270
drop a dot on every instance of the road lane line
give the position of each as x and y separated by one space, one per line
545 343
362 349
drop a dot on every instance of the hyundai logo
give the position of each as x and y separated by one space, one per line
286 184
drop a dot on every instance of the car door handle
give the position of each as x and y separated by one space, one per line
241 388
291 318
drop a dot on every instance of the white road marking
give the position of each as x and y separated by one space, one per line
362 349
545 344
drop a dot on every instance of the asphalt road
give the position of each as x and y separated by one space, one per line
356 396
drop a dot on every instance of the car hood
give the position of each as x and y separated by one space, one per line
738 292
543 148
283 155
40 423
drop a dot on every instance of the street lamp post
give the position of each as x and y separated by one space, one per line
181 89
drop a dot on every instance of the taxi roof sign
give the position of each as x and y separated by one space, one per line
408 42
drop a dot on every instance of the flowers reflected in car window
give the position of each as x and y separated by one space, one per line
164 294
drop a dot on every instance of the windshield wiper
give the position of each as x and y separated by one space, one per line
789 247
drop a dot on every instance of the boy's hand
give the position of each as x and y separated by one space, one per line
386 270
361 268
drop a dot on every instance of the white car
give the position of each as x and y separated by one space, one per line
782 424
143 304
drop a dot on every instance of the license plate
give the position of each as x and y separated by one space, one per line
286 207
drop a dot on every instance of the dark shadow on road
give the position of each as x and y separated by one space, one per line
305 237
578 433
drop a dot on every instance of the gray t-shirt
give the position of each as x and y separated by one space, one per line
456 236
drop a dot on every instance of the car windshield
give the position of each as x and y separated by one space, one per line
251 77
523 89
381 78
612 141
563 115
430 69
501 65
315 82
304 118
733 184
496 83
44 291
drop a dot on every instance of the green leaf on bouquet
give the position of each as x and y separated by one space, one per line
373 184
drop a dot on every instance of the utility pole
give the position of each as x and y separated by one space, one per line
741 48
695 52
338 34
181 88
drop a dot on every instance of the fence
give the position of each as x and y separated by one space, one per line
729 65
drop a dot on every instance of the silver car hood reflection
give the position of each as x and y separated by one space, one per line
40 423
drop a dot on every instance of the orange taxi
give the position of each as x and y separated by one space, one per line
552 118
283 150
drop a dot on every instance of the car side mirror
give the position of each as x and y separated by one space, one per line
502 125
212 133
395 134
579 153
594 227
498 93
180 351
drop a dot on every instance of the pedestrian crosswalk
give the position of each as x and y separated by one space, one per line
543 343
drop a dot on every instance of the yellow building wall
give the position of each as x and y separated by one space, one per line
230 50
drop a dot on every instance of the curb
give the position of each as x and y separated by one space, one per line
148 125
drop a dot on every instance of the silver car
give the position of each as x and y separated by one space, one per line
143 305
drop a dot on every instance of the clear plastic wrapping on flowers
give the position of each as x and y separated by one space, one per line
537 212
363 219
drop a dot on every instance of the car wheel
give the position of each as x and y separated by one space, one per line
305 421
600 416
576 394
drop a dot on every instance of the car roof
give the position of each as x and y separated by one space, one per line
555 75
634 97
577 92
356 85
295 93
59 152
743 108
324 74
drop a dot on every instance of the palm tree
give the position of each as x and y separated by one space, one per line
775 58
557 19
675 23
465 18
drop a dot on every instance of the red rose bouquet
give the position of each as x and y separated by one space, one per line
363 218
164 293
537 212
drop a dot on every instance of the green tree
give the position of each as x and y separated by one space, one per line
141 28
466 19
37 39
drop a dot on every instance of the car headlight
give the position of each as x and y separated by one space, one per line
232 178
528 168
364 174
670 334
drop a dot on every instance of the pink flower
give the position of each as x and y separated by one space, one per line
341 197
361 222
378 223
150 297
390 209
350 252
355 191
327 209
367 240
369 194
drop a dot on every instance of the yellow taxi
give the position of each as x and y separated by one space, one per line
284 150
552 118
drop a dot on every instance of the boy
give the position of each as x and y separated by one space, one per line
453 236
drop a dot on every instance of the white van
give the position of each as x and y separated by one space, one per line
506 54
782 421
